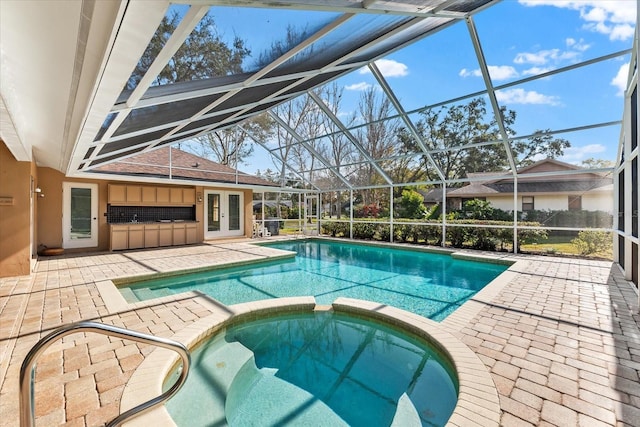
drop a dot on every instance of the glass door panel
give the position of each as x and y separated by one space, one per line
80 215
234 212
213 212
224 214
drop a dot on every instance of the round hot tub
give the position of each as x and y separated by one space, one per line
316 368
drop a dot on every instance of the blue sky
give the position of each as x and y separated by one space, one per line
519 38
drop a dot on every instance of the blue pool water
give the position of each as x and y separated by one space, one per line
432 285
312 369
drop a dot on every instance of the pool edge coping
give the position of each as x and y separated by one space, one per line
115 302
478 403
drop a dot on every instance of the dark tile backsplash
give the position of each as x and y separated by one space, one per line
118 214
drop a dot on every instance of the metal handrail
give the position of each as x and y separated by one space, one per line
27 418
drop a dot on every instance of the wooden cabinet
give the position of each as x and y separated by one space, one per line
179 234
117 193
136 236
162 195
148 195
119 237
176 196
189 196
165 235
144 195
151 235
191 233
134 194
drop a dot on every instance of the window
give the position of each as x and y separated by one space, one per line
575 203
527 203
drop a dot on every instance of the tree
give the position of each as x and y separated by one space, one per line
204 54
592 163
378 137
540 146
446 129
232 146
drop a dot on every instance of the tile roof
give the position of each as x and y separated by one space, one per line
184 165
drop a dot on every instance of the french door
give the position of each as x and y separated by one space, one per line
79 215
224 214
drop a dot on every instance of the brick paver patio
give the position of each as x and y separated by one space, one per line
561 338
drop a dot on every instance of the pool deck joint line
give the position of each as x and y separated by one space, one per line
552 341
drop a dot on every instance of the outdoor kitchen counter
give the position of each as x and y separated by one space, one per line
137 235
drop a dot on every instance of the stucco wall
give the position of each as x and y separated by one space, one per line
15 227
503 202
600 201
25 227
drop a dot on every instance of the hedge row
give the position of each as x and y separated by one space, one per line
457 236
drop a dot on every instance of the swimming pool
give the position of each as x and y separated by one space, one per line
320 368
432 285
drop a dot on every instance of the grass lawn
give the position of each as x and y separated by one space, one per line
562 245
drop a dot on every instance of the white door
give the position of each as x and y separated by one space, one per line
79 215
223 213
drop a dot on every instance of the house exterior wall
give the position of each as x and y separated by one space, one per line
27 221
597 201
504 203
601 201
15 218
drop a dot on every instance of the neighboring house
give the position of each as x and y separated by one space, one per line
572 188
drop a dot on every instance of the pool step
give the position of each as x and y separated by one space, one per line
261 398
211 385
144 294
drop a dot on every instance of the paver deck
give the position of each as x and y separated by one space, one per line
560 337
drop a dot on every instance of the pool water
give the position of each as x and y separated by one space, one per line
321 368
432 285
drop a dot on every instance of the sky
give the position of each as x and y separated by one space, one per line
519 38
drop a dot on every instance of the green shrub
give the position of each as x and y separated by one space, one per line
383 232
335 229
590 241
411 204
364 230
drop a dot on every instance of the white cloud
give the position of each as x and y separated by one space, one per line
389 68
534 71
615 18
543 57
358 86
578 45
620 80
521 96
470 73
497 72
576 155
502 72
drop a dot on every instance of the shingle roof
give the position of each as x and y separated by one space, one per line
531 187
576 182
184 165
